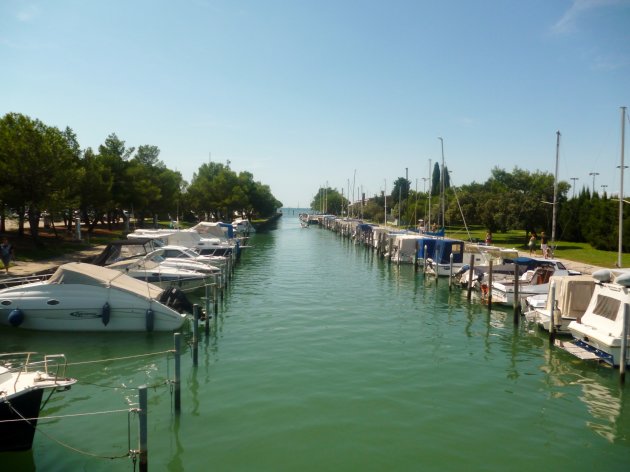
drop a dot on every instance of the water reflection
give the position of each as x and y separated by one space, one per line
600 391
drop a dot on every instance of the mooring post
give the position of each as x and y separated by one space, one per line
624 343
552 313
471 273
142 417
450 273
195 340
415 258
215 299
516 301
222 285
178 373
490 271
424 260
207 294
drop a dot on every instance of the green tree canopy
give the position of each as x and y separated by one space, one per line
39 167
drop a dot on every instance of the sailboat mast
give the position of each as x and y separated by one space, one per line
385 195
555 195
442 179
430 189
623 133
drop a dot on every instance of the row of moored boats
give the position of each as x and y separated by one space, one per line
591 309
138 284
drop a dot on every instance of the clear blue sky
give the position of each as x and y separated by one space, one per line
301 93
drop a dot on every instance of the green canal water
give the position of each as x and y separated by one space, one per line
324 358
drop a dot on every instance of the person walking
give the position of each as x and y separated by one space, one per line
532 243
6 254
544 244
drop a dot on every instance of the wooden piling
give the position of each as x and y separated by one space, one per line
415 258
552 314
490 277
517 299
215 299
450 273
471 273
177 401
195 340
142 418
424 260
207 300
623 358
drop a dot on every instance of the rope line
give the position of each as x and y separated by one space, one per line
55 417
120 358
67 446
120 387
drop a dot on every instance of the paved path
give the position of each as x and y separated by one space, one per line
23 268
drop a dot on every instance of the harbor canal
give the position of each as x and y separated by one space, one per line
324 357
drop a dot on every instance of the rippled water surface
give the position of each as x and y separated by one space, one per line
325 358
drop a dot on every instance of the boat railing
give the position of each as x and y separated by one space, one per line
54 365
23 280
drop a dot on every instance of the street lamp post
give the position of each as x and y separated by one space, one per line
574 179
593 174
604 187
621 168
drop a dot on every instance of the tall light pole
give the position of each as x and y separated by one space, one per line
604 188
574 179
621 167
555 195
593 174
442 183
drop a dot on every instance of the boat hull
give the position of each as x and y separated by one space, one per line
16 434
83 308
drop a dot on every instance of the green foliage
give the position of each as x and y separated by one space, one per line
518 200
330 201
37 163
43 168
218 192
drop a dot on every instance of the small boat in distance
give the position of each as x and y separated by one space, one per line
22 385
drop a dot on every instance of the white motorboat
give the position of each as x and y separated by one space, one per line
22 385
447 259
243 227
178 263
203 243
572 296
165 276
182 253
532 282
601 328
85 297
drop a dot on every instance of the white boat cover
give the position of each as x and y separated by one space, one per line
88 274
